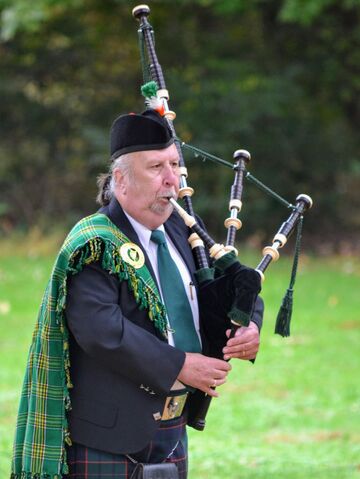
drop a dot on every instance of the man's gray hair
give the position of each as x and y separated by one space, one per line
106 181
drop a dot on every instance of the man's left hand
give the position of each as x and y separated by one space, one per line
244 345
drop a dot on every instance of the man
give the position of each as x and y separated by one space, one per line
133 370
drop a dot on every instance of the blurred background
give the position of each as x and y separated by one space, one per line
280 78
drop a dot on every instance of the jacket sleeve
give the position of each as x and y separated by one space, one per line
100 328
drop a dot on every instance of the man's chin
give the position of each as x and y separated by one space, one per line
162 207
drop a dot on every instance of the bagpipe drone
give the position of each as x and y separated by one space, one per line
227 289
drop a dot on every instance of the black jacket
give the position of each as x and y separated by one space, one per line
121 367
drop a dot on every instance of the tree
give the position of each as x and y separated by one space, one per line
279 79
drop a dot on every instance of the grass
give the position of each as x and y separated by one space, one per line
295 414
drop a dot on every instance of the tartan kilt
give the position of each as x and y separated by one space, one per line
169 445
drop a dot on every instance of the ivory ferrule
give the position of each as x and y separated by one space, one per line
188 219
185 191
306 199
140 8
217 251
235 204
170 115
233 222
195 241
242 155
271 251
163 94
229 248
183 171
261 274
281 239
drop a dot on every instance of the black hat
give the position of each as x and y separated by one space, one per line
132 132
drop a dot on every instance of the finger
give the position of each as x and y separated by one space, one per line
235 333
221 365
243 350
220 374
248 336
239 351
219 382
210 389
211 392
245 355
244 338
245 342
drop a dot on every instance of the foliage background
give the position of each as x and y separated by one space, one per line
279 78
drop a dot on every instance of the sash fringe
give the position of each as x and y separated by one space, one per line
93 239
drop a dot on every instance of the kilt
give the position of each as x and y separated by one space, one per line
168 445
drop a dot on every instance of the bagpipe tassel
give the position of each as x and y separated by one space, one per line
283 319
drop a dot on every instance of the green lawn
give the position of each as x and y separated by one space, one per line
294 414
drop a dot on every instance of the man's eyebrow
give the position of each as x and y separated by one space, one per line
152 159
161 160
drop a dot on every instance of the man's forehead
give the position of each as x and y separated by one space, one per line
169 153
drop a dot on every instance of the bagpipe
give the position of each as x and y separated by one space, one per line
227 290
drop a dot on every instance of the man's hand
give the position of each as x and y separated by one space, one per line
204 373
244 345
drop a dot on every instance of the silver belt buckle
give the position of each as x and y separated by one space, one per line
174 406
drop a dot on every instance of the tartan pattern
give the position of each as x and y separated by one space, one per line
88 463
42 430
165 442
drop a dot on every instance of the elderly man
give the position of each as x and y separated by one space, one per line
123 298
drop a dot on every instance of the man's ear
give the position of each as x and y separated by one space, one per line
120 183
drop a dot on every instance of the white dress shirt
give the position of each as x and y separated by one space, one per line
150 247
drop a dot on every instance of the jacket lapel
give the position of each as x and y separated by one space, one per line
116 214
174 227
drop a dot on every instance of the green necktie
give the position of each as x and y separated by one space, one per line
175 298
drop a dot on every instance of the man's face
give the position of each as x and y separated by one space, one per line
152 179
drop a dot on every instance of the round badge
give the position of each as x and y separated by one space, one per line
132 254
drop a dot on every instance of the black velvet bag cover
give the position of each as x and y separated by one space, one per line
229 296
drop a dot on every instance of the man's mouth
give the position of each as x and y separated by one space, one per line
168 196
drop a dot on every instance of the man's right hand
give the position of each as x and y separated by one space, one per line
204 373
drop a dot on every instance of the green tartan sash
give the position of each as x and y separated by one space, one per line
42 429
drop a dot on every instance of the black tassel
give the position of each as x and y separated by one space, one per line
283 319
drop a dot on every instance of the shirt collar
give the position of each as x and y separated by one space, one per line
142 231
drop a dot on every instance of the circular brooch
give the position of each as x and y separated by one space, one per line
132 254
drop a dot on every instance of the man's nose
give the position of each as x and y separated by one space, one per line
171 176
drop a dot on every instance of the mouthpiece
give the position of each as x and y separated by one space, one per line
188 219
